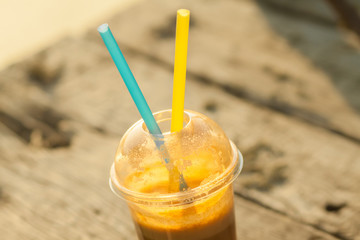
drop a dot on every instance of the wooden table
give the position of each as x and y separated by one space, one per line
279 77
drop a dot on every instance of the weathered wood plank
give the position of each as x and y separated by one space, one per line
297 169
309 70
62 193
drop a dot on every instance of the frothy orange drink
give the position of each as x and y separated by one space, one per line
209 163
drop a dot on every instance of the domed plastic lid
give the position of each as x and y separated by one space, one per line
201 151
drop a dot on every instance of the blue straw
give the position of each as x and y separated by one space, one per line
129 79
136 94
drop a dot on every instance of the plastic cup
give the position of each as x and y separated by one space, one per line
209 162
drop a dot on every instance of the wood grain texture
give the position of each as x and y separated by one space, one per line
300 181
309 69
62 193
287 161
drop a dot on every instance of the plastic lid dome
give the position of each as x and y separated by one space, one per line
200 151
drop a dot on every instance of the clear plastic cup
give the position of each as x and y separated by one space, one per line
209 162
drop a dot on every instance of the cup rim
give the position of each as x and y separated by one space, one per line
157 116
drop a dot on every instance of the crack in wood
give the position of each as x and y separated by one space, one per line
39 127
211 106
292 12
347 14
16 126
314 226
44 71
264 168
334 207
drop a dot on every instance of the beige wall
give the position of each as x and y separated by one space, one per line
28 26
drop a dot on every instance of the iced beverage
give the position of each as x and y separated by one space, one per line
209 163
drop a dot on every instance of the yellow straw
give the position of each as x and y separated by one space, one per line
181 43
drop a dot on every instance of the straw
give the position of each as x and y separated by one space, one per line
139 100
129 79
181 43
